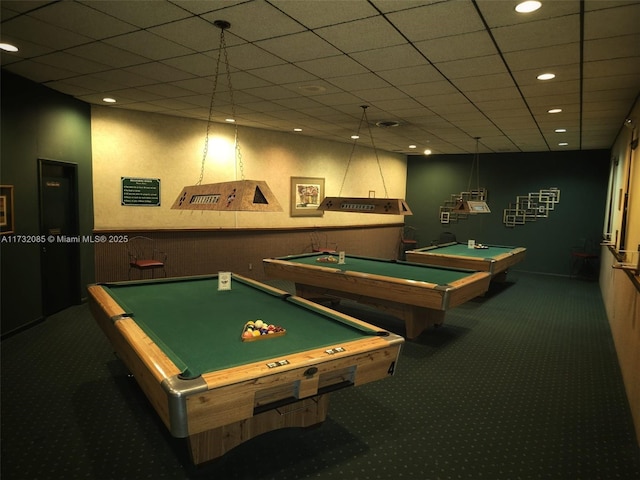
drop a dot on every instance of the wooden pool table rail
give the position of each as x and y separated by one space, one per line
221 409
419 304
494 264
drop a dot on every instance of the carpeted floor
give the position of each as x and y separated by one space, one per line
520 384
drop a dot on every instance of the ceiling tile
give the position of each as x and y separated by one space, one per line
108 54
411 75
255 20
468 45
298 47
148 45
390 58
543 33
360 35
193 33
81 19
42 33
610 22
329 67
469 67
431 64
327 12
544 58
619 47
141 13
443 19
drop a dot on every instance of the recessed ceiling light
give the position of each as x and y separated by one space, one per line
560 130
230 120
563 144
528 6
297 129
427 152
109 100
546 76
355 137
7 47
555 110
412 146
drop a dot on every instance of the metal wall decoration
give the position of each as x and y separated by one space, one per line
449 211
531 207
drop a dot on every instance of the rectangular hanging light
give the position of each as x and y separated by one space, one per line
388 206
472 207
234 196
384 206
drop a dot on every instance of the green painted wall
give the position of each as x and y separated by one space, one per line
581 176
38 122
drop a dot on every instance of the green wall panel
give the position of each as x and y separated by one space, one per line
581 176
38 122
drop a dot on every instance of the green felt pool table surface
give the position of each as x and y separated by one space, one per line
495 259
493 251
199 327
384 267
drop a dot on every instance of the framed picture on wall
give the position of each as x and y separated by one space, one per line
306 195
6 209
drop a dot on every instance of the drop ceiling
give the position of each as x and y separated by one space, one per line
444 71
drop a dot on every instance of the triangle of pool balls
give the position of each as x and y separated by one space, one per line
259 330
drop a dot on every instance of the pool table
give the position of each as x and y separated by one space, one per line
495 259
416 293
181 339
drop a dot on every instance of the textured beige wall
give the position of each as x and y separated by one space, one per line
149 145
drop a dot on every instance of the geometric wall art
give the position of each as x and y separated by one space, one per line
531 207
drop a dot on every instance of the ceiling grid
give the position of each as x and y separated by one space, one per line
444 71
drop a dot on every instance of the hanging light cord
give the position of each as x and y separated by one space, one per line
223 50
375 150
475 164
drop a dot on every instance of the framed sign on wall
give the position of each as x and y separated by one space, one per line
6 209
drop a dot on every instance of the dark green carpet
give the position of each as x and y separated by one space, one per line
520 384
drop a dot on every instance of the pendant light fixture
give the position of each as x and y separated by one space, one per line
237 195
390 206
473 201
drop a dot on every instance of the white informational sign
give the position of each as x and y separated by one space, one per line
224 280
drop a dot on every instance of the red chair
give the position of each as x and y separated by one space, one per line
408 241
320 243
144 256
584 260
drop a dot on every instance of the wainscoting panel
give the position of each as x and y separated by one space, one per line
238 250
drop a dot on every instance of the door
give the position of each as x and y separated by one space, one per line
60 254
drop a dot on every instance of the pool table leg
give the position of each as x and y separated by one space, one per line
499 277
418 319
211 444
